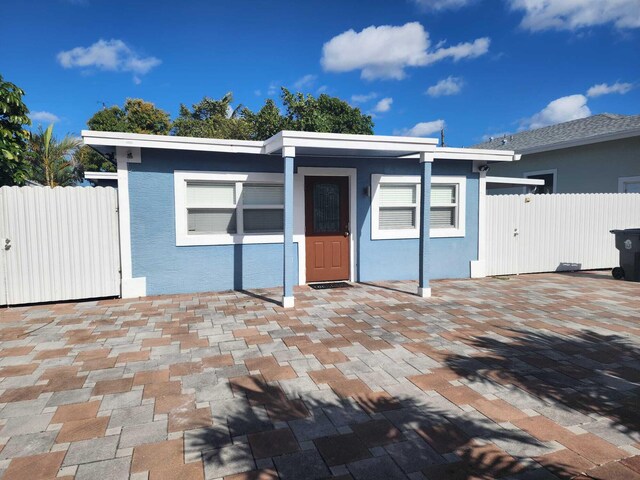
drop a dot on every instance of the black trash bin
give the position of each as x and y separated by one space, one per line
628 243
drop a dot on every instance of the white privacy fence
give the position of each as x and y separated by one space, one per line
545 233
58 244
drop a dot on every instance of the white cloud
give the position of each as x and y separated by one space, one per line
385 51
305 82
564 109
45 117
257 92
364 98
322 89
273 89
437 5
446 86
384 105
474 49
110 55
605 89
576 14
422 129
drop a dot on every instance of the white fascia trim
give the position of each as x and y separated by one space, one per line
623 180
299 215
472 154
461 192
274 144
95 138
129 287
101 175
183 239
606 137
321 141
515 181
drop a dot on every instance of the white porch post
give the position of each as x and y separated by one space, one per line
478 267
288 154
426 159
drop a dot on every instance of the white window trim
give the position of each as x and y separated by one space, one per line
553 171
380 234
623 180
461 210
461 195
183 238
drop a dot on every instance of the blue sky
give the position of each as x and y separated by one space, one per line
480 67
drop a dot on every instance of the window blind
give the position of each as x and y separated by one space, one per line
397 218
208 194
211 221
263 220
263 194
443 217
443 194
397 195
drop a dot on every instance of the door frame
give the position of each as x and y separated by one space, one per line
299 216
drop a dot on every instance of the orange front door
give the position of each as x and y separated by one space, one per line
327 228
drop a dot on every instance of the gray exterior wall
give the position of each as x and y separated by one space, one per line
587 169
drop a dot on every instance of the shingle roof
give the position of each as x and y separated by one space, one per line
575 130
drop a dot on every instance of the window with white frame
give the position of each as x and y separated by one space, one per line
395 203
222 208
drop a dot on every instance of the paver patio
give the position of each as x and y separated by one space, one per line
525 377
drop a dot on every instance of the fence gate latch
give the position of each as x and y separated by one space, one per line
7 244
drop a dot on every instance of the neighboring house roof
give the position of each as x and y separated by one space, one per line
594 129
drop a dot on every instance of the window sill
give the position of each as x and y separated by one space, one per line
226 239
411 234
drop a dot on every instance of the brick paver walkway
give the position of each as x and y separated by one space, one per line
526 377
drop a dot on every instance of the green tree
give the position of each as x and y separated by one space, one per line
52 160
266 122
14 168
324 114
212 118
109 119
136 116
309 114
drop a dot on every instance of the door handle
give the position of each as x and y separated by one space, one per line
346 231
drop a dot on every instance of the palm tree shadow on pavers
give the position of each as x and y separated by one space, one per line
588 380
320 435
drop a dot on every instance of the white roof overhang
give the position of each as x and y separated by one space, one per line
304 143
514 181
101 175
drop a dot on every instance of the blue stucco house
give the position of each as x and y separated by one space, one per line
202 215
